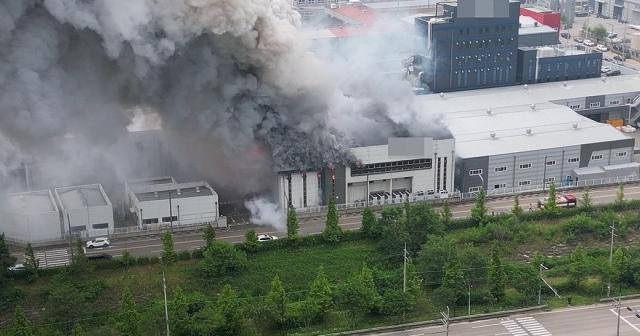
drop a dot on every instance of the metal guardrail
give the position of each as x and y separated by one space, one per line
458 197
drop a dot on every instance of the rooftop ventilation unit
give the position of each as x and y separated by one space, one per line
565 84
528 131
492 134
155 194
604 78
575 126
489 111
441 94
179 192
533 107
197 189
526 86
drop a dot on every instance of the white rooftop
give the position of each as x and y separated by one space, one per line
141 184
520 128
533 93
34 202
404 4
176 190
529 25
78 197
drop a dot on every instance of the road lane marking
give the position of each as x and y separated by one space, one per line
625 320
486 325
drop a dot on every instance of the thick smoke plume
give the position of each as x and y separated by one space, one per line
264 212
235 88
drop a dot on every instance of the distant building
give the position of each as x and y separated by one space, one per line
30 217
534 34
381 174
86 210
548 16
159 202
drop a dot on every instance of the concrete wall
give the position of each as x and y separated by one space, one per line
301 183
192 210
538 39
609 151
86 221
571 67
33 227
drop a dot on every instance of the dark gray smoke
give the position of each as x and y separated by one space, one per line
235 86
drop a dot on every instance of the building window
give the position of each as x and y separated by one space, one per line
574 107
76 229
150 221
596 157
614 102
524 183
169 219
573 160
525 166
474 172
444 175
304 190
621 154
551 163
594 105
501 169
474 189
100 226
500 186
550 179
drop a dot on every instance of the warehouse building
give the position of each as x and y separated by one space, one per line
30 217
387 173
521 138
86 210
140 184
534 34
174 203
553 64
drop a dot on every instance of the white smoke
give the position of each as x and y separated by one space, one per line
233 82
264 212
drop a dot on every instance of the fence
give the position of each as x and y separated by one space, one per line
457 197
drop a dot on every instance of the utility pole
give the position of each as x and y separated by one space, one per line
469 306
544 175
404 270
613 229
70 240
166 309
445 321
170 213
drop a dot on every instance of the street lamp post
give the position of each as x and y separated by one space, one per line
613 229
469 306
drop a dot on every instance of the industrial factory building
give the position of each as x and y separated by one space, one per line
381 174
521 138
30 217
163 201
86 210
131 186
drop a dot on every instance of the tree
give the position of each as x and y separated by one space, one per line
599 32
31 262
445 214
65 300
320 293
332 231
6 259
292 224
496 276
421 221
169 255
620 195
395 231
359 294
621 267
128 319
21 324
178 309
251 243
227 314
516 211
222 258
78 331
209 236
79 262
275 300
434 255
479 210
370 225
550 205
414 281
578 267
453 285
586 199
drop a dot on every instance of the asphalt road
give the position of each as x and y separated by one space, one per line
596 320
152 246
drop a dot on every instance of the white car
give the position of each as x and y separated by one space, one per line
602 48
266 237
98 242
605 69
588 43
17 268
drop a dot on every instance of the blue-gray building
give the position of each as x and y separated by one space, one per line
473 44
552 64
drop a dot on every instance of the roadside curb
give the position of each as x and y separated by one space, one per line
405 326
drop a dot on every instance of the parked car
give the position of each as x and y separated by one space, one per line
266 237
618 58
578 39
605 69
565 35
614 73
99 256
588 43
612 35
602 48
98 242
17 268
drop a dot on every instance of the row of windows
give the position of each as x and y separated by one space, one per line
597 104
157 220
486 29
482 44
522 183
387 167
80 228
529 165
